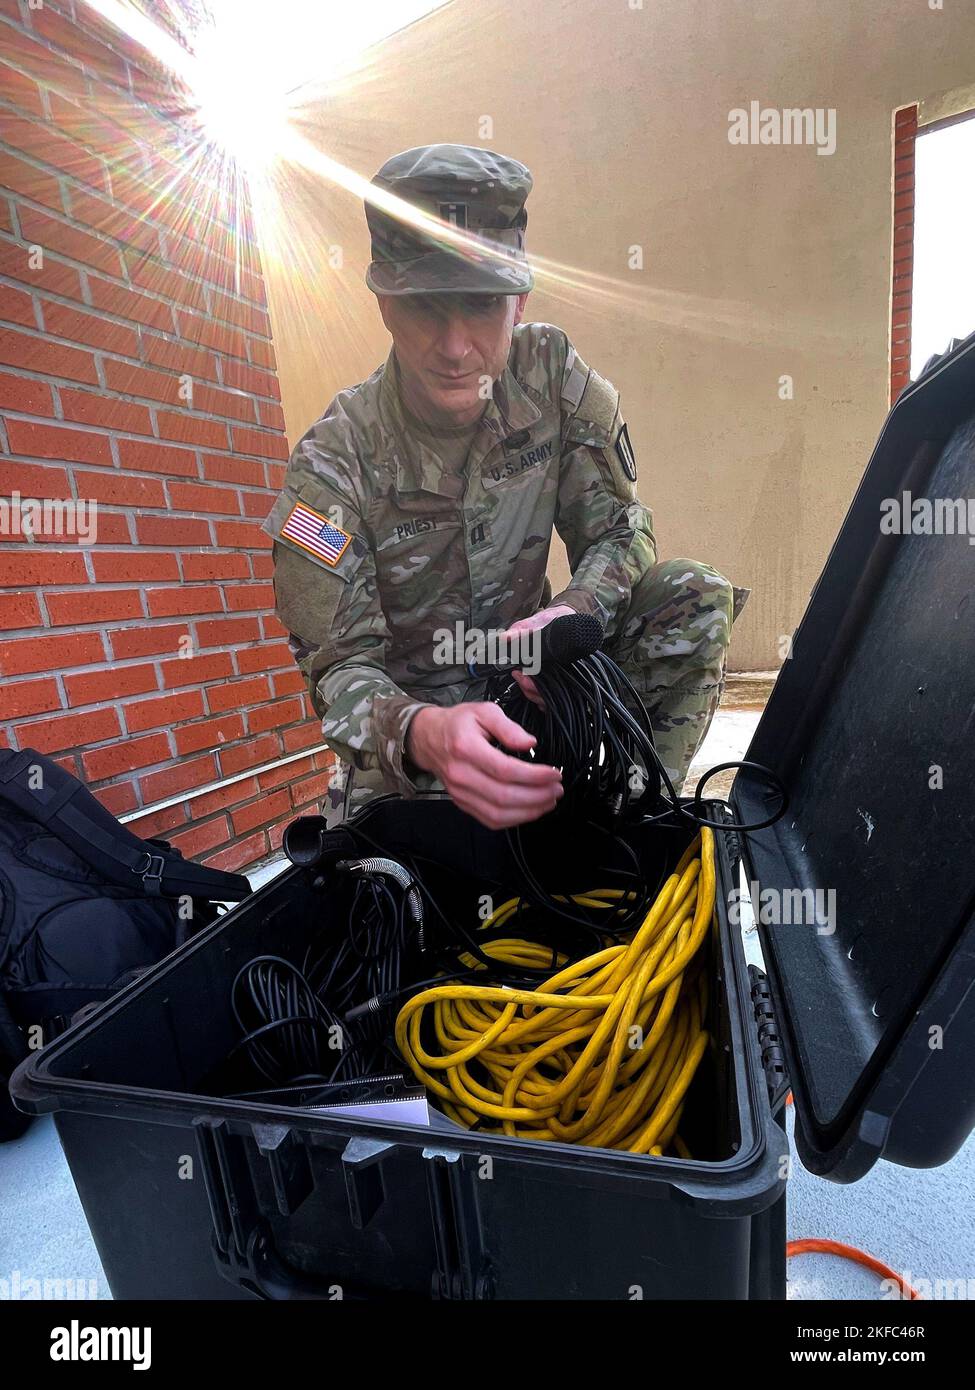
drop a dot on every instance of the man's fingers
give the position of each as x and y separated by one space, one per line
505 730
528 688
477 786
541 619
501 767
495 788
500 806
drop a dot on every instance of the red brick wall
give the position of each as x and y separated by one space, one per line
905 138
149 663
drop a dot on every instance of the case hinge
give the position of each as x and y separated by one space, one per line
733 847
769 1037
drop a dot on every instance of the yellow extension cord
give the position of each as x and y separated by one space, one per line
601 1053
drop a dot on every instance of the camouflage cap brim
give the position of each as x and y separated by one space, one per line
445 272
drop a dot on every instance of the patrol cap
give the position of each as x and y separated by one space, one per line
480 193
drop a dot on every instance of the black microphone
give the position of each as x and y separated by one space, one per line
570 638
562 641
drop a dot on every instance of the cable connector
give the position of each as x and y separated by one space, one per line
375 1005
391 868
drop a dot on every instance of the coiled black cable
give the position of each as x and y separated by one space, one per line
290 1035
595 727
296 1022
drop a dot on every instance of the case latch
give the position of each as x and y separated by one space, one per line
463 1268
769 1038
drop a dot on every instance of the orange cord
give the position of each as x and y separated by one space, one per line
848 1252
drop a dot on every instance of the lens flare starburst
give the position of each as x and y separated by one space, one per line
251 140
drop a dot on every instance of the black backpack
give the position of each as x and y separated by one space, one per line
85 906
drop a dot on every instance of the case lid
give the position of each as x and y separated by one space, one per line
865 890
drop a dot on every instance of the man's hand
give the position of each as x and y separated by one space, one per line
537 620
454 743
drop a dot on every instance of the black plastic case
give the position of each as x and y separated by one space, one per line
872 726
295 1204
288 1203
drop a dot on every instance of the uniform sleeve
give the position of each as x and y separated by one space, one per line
607 531
326 596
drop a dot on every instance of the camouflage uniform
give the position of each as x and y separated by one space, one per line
409 549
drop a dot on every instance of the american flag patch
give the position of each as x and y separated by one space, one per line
316 534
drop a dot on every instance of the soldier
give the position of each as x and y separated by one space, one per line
424 501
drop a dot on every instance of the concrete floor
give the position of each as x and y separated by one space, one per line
920 1222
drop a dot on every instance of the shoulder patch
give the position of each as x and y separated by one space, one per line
574 379
594 419
316 534
624 452
600 402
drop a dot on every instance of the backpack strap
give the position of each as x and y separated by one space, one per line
13 1044
53 1006
68 809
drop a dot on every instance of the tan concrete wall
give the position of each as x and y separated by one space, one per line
759 261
